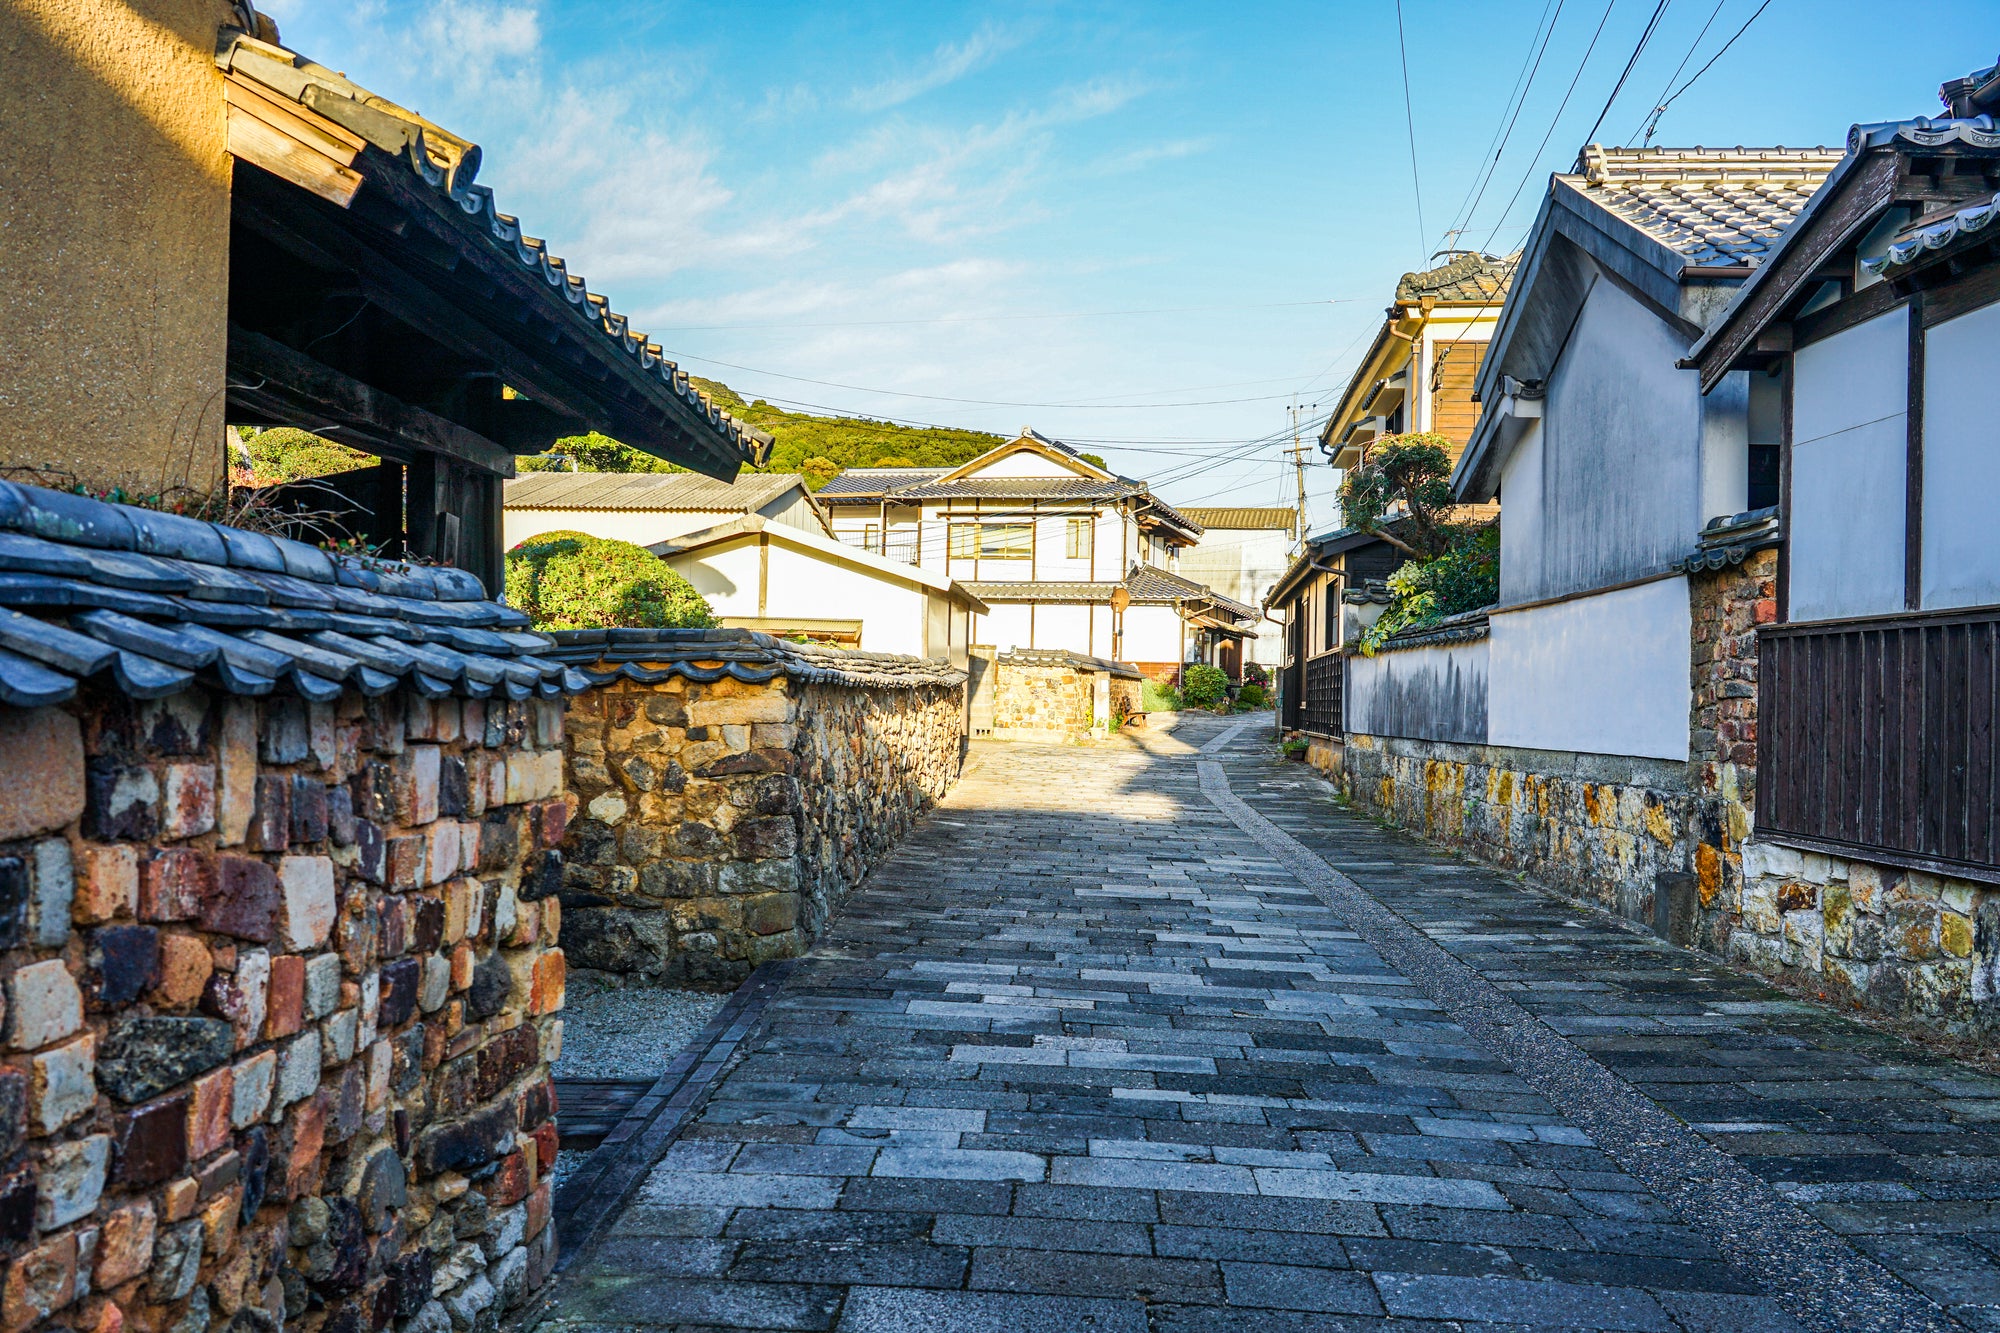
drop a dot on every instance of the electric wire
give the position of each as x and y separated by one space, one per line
989 319
1704 69
1516 101
1652 25
1410 122
1648 122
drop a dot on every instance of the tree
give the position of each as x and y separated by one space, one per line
1401 492
594 452
286 453
571 580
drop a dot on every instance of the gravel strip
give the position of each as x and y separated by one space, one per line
615 1030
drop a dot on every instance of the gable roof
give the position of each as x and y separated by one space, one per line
872 483
670 492
1714 207
750 525
1238 519
1031 440
1145 584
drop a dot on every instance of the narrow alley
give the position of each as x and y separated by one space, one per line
1154 1036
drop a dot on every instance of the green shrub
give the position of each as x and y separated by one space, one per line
1157 698
286 453
593 452
571 580
1204 686
1252 695
1423 592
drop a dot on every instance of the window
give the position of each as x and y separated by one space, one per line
1077 545
964 541
1332 614
1006 541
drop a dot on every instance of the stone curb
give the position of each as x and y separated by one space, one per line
593 1198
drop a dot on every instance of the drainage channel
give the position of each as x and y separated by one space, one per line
1818 1277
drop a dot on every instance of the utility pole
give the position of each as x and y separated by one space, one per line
1298 453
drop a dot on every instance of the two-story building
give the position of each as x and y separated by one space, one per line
1063 553
1242 554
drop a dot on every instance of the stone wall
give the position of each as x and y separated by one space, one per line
729 789
1056 697
1656 841
281 997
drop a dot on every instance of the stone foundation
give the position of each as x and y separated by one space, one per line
1061 698
281 998
729 789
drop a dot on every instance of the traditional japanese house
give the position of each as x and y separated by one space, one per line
1872 327
307 254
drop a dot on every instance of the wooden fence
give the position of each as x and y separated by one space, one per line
1876 739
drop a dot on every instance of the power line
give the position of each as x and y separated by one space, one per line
1517 100
1553 122
974 402
1410 121
1651 25
1661 109
1647 121
987 319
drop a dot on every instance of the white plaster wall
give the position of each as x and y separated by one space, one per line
1005 628
643 527
1433 693
1725 447
1961 555
1025 463
1521 513
810 586
1850 446
1621 454
1607 674
1062 626
1152 634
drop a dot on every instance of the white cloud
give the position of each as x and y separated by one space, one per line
1146 155
486 42
948 64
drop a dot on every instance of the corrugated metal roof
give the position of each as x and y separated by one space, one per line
1260 519
670 491
1717 207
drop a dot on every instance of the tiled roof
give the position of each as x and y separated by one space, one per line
1716 207
1467 277
446 163
1019 488
671 491
872 483
1936 233
160 602
705 655
1148 584
1275 520
1043 591
1062 657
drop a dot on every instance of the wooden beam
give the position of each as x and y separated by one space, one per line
292 142
269 377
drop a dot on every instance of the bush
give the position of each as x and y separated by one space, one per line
1252 696
286 453
571 580
1157 698
1204 686
1423 592
593 452
1255 674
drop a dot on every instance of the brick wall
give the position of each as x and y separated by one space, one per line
718 820
281 996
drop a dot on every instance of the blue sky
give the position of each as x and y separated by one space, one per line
1141 227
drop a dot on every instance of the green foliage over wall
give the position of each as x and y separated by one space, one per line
594 452
286 453
1423 592
569 580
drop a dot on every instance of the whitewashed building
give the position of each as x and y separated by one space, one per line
648 507
1064 553
1242 553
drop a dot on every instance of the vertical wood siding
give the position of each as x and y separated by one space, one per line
1877 737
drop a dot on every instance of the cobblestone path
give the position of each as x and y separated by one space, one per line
1102 1050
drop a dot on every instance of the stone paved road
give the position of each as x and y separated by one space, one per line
1086 1055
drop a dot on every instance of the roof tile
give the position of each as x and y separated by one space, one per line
1717 207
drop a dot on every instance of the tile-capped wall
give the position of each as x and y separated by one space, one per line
281 994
